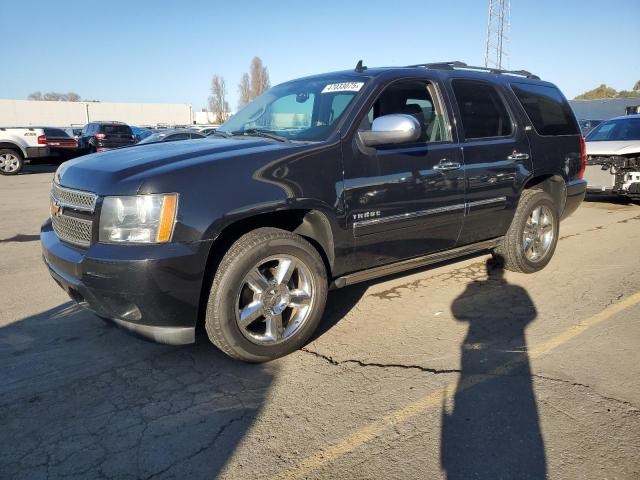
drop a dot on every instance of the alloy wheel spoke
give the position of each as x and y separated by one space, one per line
535 216
251 313
529 248
284 270
257 281
299 298
274 329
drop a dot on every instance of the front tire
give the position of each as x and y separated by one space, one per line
11 162
532 237
267 297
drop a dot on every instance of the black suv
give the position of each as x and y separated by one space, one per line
101 136
322 182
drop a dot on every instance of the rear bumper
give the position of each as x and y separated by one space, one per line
151 290
576 191
37 152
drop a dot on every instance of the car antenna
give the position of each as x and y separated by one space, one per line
359 67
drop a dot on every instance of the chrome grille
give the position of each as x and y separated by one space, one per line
77 231
76 199
76 228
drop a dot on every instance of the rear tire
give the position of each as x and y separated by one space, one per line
267 297
533 235
11 161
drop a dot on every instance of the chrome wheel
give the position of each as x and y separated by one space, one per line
537 236
9 162
274 300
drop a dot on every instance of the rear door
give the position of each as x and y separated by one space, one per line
496 157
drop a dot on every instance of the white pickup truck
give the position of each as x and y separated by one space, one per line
18 145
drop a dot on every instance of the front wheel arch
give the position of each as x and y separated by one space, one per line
311 224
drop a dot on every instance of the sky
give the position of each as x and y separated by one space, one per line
153 51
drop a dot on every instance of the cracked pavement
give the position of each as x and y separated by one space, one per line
430 374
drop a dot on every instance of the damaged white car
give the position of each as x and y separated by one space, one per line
613 157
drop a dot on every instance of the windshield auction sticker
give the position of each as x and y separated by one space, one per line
343 87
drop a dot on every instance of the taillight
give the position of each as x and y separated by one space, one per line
100 136
42 140
583 157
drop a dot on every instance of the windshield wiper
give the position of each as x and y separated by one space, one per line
261 133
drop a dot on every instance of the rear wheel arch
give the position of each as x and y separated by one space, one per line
554 185
14 146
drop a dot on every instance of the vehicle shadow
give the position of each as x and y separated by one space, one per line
603 198
493 429
81 397
34 169
340 301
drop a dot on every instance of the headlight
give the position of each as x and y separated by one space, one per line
138 219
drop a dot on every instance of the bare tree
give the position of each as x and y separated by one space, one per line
260 82
254 83
244 89
218 99
54 96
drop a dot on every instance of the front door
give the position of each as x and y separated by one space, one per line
405 200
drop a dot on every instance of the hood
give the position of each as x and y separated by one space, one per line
624 147
123 171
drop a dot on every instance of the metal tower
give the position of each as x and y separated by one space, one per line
498 26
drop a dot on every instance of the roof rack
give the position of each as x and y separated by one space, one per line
463 66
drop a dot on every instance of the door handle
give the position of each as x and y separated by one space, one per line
518 156
445 165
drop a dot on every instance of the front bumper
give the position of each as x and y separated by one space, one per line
153 290
576 191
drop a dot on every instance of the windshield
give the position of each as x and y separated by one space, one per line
304 110
616 130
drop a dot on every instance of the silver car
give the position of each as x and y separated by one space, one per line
613 157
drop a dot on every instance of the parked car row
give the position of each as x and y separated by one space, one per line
18 145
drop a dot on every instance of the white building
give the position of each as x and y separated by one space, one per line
65 114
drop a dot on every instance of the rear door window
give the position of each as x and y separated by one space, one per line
547 109
482 110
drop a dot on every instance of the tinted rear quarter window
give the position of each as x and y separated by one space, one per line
482 110
547 109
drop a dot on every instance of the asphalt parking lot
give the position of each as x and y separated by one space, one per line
459 372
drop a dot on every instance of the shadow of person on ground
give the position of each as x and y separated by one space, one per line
493 431
82 398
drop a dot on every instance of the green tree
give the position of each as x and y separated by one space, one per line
600 92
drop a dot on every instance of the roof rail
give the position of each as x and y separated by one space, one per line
463 66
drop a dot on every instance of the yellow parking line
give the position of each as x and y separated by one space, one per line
373 430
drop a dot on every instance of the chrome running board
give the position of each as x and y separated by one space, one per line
412 263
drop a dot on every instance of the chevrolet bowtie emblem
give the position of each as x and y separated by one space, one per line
56 209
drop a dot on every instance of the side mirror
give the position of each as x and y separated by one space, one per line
391 129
